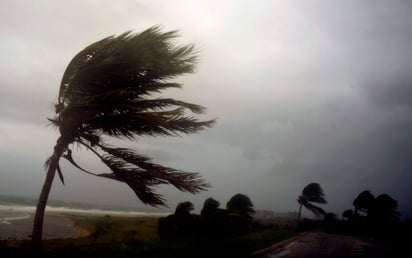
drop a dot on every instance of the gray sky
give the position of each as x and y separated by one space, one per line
303 91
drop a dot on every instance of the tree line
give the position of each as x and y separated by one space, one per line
213 221
377 216
374 216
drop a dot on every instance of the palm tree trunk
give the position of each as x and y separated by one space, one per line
300 209
44 195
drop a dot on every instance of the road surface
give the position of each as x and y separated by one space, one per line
322 245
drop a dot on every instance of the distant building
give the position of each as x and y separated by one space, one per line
266 214
263 214
286 215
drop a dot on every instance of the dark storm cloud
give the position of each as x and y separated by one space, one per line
392 91
351 130
374 40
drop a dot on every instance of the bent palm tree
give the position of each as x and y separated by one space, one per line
384 210
241 204
311 193
105 93
210 207
184 208
363 202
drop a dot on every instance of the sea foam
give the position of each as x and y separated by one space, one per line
70 210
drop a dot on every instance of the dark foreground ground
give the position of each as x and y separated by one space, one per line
137 237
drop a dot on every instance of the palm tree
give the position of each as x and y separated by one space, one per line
311 193
184 208
241 204
105 94
363 202
210 207
384 210
348 214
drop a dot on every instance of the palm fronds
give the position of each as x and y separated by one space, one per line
315 209
105 91
105 88
137 62
314 193
136 170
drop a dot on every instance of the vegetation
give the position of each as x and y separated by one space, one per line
311 193
371 216
363 202
241 204
210 207
218 232
375 218
137 237
106 93
211 223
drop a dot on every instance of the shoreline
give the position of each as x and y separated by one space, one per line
77 211
59 222
55 226
82 232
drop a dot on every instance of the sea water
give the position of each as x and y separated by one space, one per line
7 217
14 208
15 220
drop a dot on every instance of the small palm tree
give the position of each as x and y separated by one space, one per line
210 207
241 204
184 208
348 214
311 193
384 210
363 202
105 93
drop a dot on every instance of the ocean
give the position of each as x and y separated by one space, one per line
16 217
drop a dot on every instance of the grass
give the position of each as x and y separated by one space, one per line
137 237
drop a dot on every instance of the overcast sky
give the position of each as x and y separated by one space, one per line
303 91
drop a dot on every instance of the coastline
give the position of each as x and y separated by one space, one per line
55 226
82 232
59 223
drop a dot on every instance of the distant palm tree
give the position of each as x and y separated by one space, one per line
363 202
178 224
384 210
184 208
311 193
210 207
105 93
241 204
348 214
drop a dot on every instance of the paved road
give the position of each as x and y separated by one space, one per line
321 245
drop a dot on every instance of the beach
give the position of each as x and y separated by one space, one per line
16 221
55 226
110 233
